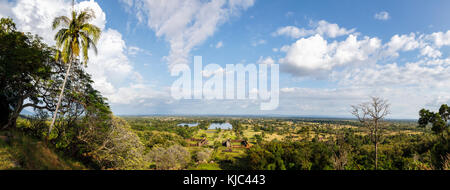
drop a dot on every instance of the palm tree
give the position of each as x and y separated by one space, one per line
75 35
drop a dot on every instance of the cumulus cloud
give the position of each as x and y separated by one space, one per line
428 51
440 38
321 27
111 69
331 30
37 16
401 43
315 56
383 15
360 67
185 24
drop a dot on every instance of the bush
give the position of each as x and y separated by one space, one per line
121 149
173 158
203 156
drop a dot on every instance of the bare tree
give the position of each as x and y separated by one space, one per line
371 114
340 152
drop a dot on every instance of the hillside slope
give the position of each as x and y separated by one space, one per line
22 152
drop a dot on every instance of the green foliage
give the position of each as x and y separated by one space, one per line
203 155
76 35
24 68
159 139
25 152
277 155
206 166
174 158
439 121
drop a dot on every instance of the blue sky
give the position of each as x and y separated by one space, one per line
332 54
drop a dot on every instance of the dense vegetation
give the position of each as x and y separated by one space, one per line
86 134
86 129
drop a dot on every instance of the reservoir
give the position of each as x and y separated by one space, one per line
220 126
188 124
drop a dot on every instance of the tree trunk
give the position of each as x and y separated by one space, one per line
4 112
59 101
14 115
376 145
376 155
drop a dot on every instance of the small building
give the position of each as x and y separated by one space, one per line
227 143
245 144
202 142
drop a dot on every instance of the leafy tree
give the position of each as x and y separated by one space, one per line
25 65
439 121
173 158
75 36
204 155
439 125
120 149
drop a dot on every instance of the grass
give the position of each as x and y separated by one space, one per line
25 152
206 166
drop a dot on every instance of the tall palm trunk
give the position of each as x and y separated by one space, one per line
60 99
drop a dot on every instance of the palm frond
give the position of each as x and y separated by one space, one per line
85 16
66 51
93 31
77 35
89 42
60 21
60 37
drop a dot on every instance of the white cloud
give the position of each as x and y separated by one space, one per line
219 45
401 43
322 27
110 69
331 30
37 16
315 56
430 52
267 60
133 50
337 101
383 15
258 42
5 8
138 94
185 24
440 39
293 32
409 87
358 67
